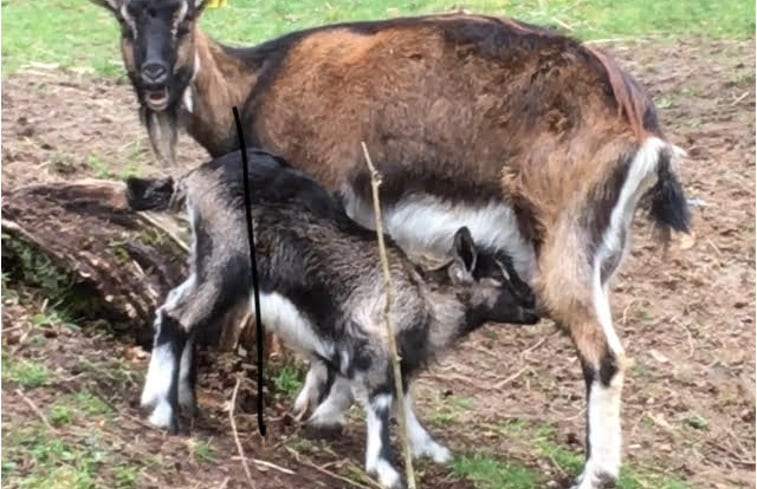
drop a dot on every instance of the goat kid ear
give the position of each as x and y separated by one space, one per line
112 5
465 249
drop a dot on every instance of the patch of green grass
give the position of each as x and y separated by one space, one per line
98 166
449 409
203 450
87 403
26 373
60 414
28 265
288 379
487 472
125 477
76 33
697 422
541 439
114 370
49 461
34 274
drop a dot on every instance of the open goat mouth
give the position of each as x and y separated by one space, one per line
157 100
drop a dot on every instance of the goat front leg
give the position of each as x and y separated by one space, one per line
378 451
420 440
162 385
188 377
330 413
316 382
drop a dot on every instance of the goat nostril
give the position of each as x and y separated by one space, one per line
154 72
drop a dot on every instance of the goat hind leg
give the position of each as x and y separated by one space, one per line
602 361
572 290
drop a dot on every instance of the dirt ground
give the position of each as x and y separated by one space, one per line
687 319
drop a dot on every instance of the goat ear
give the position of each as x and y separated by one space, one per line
199 5
465 249
112 5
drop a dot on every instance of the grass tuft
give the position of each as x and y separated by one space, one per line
76 33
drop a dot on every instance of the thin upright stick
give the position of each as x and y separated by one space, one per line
234 431
388 290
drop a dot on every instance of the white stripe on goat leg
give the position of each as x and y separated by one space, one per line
159 374
377 447
421 442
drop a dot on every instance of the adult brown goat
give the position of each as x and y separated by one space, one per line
541 146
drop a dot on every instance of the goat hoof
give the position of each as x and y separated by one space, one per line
595 481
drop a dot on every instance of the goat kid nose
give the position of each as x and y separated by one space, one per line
154 73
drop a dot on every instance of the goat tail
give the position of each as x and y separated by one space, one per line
151 194
666 201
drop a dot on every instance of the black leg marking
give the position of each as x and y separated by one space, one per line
171 332
590 374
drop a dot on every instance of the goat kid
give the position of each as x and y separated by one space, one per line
544 147
321 291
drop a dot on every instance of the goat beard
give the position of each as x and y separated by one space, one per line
162 127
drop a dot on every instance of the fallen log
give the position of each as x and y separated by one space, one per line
129 260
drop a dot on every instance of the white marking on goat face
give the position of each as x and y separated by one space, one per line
128 19
284 319
424 223
178 17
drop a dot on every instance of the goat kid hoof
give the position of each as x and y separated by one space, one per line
325 432
441 455
163 416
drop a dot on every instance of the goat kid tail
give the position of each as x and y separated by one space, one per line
151 194
666 201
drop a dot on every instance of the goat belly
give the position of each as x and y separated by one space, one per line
283 318
425 224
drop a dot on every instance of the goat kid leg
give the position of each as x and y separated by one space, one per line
331 411
169 344
160 369
378 452
315 382
188 378
420 440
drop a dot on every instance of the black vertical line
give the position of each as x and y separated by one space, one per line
254 263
